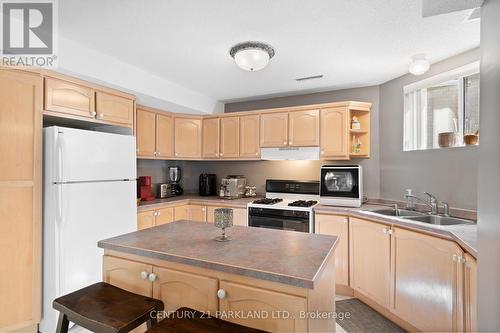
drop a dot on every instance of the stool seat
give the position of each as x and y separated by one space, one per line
104 308
186 320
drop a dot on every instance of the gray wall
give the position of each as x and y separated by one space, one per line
489 172
258 172
450 174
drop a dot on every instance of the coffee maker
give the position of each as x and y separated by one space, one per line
144 188
175 178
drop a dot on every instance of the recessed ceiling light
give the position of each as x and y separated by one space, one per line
419 64
309 78
252 56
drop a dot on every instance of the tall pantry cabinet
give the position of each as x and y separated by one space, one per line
21 96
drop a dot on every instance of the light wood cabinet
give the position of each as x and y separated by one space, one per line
303 128
239 215
188 137
250 136
69 98
211 137
181 213
337 225
145 133
274 129
114 109
128 275
145 219
334 123
164 136
470 299
198 213
427 281
246 299
179 289
369 254
21 99
164 215
229 137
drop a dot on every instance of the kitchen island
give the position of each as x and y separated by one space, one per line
279 281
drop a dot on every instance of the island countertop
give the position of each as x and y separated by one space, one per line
287 257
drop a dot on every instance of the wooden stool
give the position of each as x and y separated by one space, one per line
186 320
103 308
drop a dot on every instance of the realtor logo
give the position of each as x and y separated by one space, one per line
28 30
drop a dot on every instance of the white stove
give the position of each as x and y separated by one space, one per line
288 205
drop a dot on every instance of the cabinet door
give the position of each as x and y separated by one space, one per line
181 213
334 125
145 219
179 289
370 251
229 137
470 293
127 275
274 129
188 134
426 289
198 213
240 216
164 215
304 128
337 225
114 109
211 137
164 136
70 98
211 213
145 133
21 97
245 299
250 136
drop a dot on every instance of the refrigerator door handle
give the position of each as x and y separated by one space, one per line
59 218
60 156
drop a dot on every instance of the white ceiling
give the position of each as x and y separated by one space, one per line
352 43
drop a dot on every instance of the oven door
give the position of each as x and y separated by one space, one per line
279 219
341 182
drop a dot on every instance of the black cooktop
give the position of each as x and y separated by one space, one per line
267 201
303 203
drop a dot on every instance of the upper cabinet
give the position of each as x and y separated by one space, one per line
229 137
211 137
249 136
154 133
114 108
69 98
274 129
334 133
303 128
188 137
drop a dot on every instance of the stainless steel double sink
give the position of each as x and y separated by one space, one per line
421 217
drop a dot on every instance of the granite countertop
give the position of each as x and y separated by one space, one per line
194 199
464 234
287 257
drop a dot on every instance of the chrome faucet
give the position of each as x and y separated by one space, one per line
432 203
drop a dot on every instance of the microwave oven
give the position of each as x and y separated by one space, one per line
341 185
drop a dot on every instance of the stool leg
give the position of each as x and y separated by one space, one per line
62 323
151 322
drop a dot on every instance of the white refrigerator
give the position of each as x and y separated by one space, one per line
89 195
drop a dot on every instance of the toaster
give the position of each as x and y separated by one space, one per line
165 191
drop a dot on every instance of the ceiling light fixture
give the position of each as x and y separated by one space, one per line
419 64
252 56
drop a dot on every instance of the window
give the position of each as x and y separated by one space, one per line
440 110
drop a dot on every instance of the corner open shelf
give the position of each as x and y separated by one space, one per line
361 135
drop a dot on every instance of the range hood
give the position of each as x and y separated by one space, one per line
290 153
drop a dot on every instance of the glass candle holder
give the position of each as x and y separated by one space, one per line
223 218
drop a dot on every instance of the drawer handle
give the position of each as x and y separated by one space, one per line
221 293
152 277
144 275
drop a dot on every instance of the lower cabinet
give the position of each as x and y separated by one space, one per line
427 281
197 213
128 275
337 225
145 219
370 252
239 215
164 215
239 298
470 299
181 213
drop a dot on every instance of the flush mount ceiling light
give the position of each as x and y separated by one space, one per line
252 56
419 64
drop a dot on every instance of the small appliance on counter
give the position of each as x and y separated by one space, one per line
175 178
165 191
341 185
144 188
233 187
207 185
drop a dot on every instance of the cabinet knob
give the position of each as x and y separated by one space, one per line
221 154
93 113
284 142
256 153
159 153
221 293
152 277
176 154
158 213
322 152
346 220
144 275
385 231
154 153
290 143
101 115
